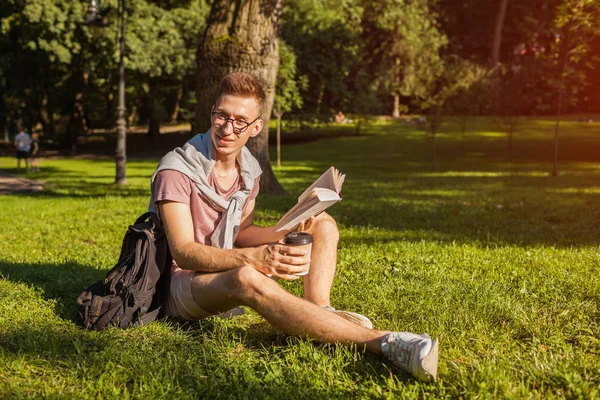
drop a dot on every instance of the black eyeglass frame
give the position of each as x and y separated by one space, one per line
233 120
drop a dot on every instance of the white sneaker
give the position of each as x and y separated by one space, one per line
357 318
415 354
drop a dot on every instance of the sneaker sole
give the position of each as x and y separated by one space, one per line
430 362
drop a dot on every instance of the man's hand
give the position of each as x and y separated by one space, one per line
305 225
280 260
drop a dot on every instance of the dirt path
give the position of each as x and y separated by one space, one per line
13 184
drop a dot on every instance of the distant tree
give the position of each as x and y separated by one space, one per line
498 27
325 36
455 76
241 36
404 42
474 98
42 57
63 74
576 25
287 89
162 42
516 95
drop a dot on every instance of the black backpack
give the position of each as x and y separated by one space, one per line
136 288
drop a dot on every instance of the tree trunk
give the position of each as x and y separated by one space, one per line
3 113
177 105
76 125
559 112
47 109
121 150
495 57
241 36
279 114
154 117
396 110
433 155
132 116
320 98
153 126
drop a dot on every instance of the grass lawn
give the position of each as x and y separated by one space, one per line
497 259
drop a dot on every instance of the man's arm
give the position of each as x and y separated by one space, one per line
275 259
251 235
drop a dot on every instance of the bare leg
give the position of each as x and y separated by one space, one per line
223 291
317 284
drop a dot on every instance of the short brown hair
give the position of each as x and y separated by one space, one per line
244 85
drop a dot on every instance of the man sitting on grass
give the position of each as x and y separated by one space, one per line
205 195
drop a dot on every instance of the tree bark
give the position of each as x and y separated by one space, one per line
559 112
241 36
320 98
396 110
177 105
153 126
495 57
433 153
279 114
121 150
76 125
154 117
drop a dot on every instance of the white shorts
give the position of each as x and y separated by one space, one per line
180 303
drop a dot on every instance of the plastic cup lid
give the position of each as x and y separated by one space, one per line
298 238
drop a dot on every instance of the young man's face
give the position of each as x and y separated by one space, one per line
243 109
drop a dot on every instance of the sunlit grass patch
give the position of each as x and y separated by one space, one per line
495 257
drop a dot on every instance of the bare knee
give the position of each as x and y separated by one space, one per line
324 226
247 282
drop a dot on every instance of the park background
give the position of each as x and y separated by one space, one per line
470 207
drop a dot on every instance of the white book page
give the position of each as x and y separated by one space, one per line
321 194
329 180
315 202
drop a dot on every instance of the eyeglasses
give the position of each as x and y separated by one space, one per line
220 119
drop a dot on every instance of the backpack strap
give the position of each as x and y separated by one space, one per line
145 216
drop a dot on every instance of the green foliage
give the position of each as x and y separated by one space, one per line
324 36
288 84
497 260
61 70
474 95
59 77
415 40
402 45
575 25
161 42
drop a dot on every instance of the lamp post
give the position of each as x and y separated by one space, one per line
93 18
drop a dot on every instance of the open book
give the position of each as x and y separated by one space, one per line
323 193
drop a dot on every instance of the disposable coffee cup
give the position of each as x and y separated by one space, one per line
299 239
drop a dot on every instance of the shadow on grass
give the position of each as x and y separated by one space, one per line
167 348
498 207
61 183
59 282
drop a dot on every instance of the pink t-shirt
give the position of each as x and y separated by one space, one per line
174 186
